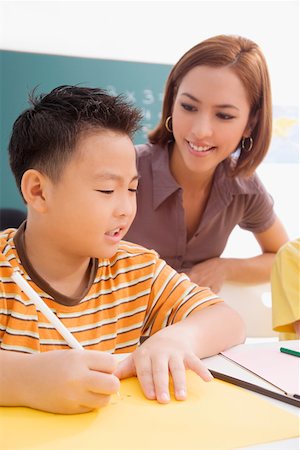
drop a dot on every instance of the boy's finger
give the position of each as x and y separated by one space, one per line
160 371
102 383
101 361
196 365
125 368
144 373
177 370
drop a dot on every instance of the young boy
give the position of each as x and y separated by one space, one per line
74 162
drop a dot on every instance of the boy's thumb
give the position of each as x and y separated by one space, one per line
125 368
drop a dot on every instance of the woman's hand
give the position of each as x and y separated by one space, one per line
211 273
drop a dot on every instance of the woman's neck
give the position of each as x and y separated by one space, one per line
187 179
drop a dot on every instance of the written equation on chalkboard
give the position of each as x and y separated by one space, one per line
148 101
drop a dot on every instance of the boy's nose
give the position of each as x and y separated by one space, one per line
127 206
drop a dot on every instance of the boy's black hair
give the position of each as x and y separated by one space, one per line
45 135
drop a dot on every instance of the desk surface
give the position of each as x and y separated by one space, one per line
216 415
223 365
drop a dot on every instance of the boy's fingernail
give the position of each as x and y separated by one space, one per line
164 397
181 394
151 394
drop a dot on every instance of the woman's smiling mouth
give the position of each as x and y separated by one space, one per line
200 149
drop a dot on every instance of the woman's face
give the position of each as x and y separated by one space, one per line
210 116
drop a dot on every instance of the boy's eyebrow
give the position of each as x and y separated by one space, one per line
113 176
225 105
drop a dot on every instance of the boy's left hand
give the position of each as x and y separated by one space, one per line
163 354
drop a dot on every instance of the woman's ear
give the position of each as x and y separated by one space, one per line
251 125
33 187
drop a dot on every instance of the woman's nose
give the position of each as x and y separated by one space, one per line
202 127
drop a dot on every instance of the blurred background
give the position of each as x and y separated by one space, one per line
130 47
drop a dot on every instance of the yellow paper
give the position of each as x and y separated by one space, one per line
216 415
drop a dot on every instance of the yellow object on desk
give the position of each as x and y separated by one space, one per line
215 415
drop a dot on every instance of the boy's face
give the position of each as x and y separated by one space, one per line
93 204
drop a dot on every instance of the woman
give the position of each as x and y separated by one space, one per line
197 172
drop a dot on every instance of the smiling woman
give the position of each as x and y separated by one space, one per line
197 172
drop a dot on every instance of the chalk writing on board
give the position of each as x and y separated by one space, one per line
148 98
151 102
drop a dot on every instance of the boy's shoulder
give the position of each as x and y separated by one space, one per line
6 239
7 248
133 257
129 249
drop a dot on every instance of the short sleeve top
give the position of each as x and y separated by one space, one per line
160 223
285 284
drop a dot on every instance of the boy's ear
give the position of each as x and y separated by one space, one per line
33 187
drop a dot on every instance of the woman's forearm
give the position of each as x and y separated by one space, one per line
253 270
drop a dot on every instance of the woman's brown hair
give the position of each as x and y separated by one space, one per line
248 62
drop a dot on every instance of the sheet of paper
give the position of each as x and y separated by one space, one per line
216 415
268 362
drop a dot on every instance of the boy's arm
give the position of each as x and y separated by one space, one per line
179 347
67 382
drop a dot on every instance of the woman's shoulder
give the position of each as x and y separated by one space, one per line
238 184
147 150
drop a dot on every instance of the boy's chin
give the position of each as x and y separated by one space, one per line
108 253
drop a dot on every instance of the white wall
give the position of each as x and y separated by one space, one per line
155 31
161 31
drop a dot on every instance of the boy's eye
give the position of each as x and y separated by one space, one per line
134 189
225 116
188 107
107 192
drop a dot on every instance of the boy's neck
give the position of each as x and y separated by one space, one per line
64 273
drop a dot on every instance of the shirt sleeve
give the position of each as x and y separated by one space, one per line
173 297
259 212
285 281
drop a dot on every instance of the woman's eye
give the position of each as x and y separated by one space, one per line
224 116
188 107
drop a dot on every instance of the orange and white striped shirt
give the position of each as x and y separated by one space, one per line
134 293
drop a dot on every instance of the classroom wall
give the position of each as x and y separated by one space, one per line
159 32
155 31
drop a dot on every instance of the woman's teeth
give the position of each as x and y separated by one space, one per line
199 149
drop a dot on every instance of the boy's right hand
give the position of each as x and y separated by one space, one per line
68 381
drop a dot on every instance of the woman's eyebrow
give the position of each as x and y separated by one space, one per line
223 105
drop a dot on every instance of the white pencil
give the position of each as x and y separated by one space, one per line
32 295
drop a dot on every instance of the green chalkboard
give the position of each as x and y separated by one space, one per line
142 83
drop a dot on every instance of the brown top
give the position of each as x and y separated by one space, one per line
160 223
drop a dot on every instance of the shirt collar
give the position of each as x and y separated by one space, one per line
224 186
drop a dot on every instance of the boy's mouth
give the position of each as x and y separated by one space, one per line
114 233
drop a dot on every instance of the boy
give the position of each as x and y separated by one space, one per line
74 163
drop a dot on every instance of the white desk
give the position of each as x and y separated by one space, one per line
221 364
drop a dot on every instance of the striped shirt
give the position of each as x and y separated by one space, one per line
134 293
